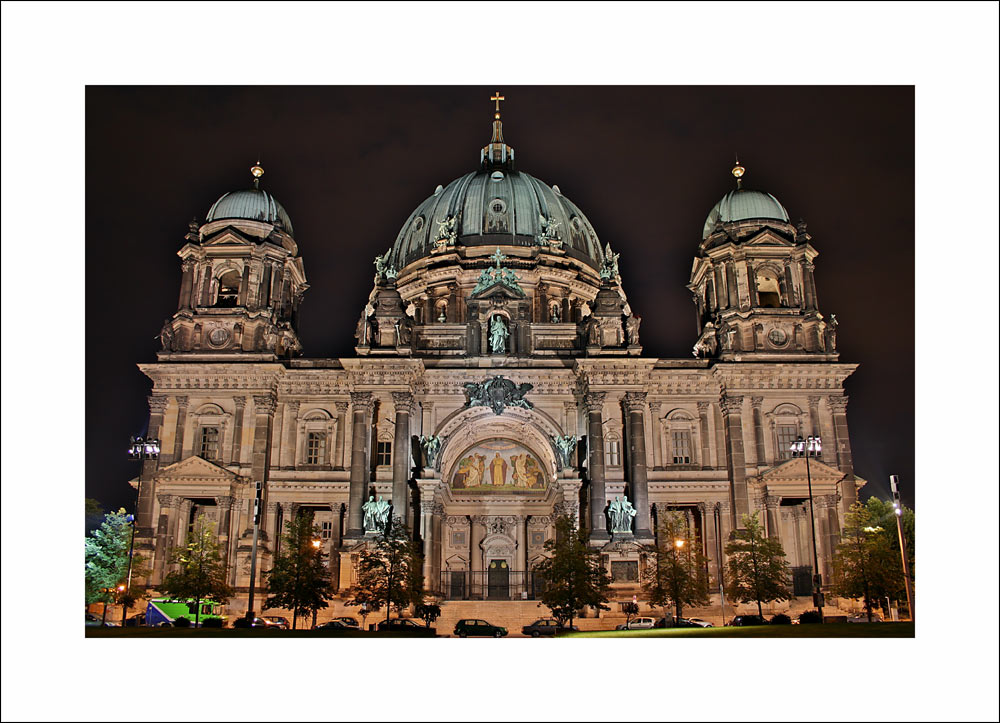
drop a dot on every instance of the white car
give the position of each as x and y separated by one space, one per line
638 624
700 623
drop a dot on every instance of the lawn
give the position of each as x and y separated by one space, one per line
834 630
268 633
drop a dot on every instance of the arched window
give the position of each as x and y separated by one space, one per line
613 450
768 289
441 310
229 288
315 433
680 436
787 424
209 422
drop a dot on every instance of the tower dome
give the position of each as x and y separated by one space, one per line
496 206
252 204
742 205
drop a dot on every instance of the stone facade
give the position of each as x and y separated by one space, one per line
513 344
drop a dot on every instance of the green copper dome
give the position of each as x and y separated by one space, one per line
252 204
742 205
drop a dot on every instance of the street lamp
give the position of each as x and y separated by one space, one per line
811 445
897 507
139 450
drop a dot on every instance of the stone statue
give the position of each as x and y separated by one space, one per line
498 335
632 329
832 333
621 513
447 232
609 269
167 337
431 445
593 332
376 514
554 314
565 444
707 343
548 234
363 334
498 394
383 269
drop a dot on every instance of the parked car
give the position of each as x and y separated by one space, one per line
473 627
92 621
863 618
407 626
332 625
545 626
349 622
700 623
744 620
672 622
638 624
277 621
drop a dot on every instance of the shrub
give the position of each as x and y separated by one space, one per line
213 623
241 623
182 622
810 616
781 619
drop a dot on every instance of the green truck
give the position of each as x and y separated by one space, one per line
164 611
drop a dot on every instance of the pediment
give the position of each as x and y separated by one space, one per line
499 289
769 237
227 237
793 471
197 470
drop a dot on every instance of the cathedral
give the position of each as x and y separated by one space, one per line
498 382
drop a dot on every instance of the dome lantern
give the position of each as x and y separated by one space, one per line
496 153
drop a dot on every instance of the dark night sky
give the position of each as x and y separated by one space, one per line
645 163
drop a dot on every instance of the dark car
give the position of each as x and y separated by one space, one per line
672 622
277 621
406 626
473 627
545 626
744 620
332 625
348 622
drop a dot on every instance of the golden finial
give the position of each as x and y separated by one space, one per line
738 171
257 172
497 98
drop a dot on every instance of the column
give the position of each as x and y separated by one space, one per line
570 414
427 417
147 485
182 407
814 428
773 519
595 439
403 402
427 533
722 299
654 417
476 531
711 535
823 538
758 430
734 298
732 407
832 525
842 445
224 507
241 403
362 404
706 448
522 546
164 536
338 449
635 403
290 423
187 283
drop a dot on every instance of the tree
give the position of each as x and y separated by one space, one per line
572 574
389 572
757 567
201 574
428 612
884 516
299 580
865 564
106 558
630 609
677 571
93 514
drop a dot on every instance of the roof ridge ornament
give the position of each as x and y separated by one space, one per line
257 172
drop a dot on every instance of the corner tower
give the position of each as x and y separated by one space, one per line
753 284
242 282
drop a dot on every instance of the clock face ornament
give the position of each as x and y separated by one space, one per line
218 336
778 337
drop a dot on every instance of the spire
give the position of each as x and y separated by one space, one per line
738 172
257 172
497 154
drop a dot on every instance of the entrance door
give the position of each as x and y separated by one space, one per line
457 585
498 580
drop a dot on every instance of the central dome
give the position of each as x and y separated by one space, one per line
497 207
252 204
741 205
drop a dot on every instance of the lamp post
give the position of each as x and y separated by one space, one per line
897 507
253 550
139 450
317 544
805 447
718 546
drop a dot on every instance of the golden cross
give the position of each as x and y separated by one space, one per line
497 97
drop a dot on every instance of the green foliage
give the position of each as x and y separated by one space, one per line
182 622
676 572
106 557
428 612
299 580
630 609
757 569
201 574
866 565
883 515
93 514
573 575
389 572
810 617
781 619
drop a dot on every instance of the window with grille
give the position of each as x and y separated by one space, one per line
613 453
208 443
383 453
315 447
682 446
326 530
787 433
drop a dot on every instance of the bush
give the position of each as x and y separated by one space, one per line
241 623
182 622
781 619
809 617
213 623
